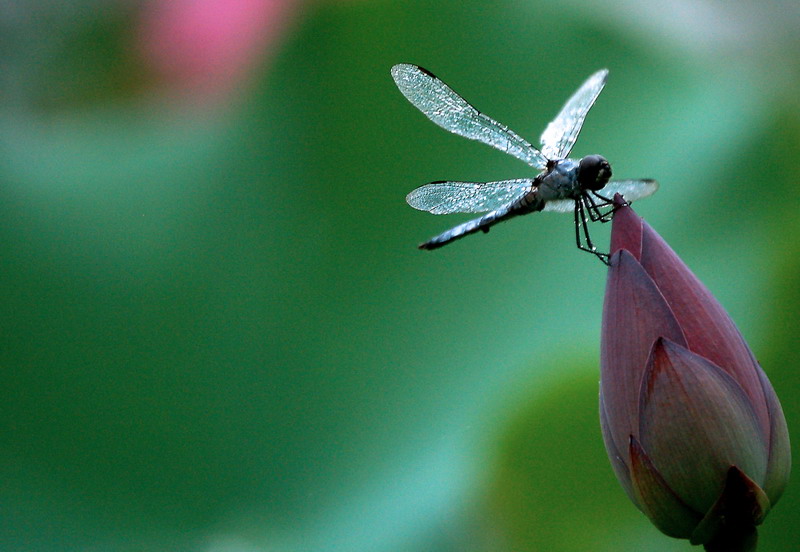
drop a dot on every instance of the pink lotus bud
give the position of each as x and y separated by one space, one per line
207 47
691 424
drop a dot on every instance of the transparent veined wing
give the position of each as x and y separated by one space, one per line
631 190
560 135
451 112
442 198
560 206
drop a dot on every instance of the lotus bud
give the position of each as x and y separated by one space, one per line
692 426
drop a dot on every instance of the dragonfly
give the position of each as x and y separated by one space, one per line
580 186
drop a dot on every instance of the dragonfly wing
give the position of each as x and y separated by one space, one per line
631 190
442 198
451 112
560 206
560 135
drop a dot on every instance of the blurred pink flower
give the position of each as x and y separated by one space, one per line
692 426
207 47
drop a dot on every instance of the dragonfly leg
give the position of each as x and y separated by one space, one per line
594 207
606 201
581 226
577 226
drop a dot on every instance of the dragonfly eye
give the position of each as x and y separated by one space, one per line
594 172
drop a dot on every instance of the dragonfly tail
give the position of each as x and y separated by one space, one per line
483 224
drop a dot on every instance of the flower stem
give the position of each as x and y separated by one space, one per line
742 538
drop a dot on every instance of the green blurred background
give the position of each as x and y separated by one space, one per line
218 335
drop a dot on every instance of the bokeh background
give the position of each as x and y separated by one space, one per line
218 336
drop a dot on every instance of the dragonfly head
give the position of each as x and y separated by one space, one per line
593 172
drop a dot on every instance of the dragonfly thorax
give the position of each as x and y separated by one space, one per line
593 172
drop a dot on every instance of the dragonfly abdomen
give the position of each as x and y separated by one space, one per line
526 204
